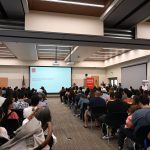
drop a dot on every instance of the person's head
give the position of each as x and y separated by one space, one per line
7 105
143 101
97 94
128 93
35 100
118 96
133 108
21 95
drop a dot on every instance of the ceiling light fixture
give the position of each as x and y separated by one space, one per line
75 3
54 45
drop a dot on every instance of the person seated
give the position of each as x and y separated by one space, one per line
43 101
114 106
83 100
140 118
20 103
96 101
34 104
7 108
42 115
128 100
10 120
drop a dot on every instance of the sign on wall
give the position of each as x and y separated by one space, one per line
90 82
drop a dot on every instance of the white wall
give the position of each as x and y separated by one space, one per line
63 23
143 30
78 74
115 71
15 75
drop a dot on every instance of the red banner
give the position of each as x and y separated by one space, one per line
90 82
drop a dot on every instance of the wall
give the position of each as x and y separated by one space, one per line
15 75
63 23
78 74
115 71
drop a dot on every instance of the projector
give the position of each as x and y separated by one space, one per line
70 63
55 64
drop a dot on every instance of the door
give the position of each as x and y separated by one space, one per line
113 81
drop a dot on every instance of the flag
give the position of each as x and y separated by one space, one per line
23 82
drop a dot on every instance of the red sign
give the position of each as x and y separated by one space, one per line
33 70
90 82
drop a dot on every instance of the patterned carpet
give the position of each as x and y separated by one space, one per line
71 134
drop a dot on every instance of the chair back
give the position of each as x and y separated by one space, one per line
3 140
97 111
117 118
11 125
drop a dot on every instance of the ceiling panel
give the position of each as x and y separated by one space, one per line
106 53
47 51
5 52
43 5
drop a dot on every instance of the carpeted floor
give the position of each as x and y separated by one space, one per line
70 132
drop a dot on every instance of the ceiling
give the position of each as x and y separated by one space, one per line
53 52
5 52
106 53
43 5
127 14
31 51
119 16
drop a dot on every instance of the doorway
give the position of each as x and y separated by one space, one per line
113 81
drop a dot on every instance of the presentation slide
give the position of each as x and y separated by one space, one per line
52 78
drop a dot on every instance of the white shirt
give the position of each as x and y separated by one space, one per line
2 99
3 133
27 111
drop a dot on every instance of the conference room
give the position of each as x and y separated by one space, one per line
79 44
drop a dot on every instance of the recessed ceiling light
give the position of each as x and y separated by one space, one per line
2 47
75 3
47 49
54 45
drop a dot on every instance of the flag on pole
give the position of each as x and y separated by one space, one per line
23 82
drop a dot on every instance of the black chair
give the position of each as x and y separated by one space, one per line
114 121
3 140
10 125
96 112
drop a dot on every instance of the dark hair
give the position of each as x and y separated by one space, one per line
6 104
133 108
118 95
21 95
35 100
144 100
129 93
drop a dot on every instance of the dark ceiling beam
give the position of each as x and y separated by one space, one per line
123 11
13 9
140 15
72 39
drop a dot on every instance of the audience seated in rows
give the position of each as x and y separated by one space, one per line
15 100
119 103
